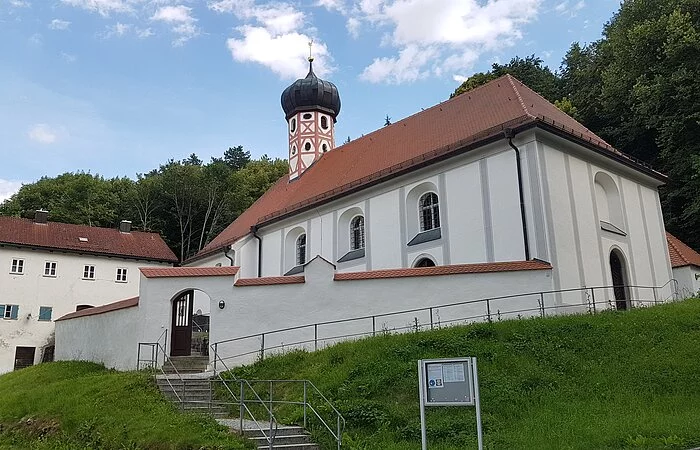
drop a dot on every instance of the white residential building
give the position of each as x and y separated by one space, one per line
50 269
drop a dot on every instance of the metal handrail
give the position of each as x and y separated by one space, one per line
588 290
244 408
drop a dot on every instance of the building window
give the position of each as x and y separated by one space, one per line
301 250
45 313
89 272
307 146
324 122
293 125
429 212
325 148
50 269
294 150
17 266
9 311
357 233
424 262
121 275
307 116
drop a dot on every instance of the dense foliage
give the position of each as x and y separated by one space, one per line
83 406
615 380
639 89
187 201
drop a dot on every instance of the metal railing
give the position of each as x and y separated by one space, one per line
309 337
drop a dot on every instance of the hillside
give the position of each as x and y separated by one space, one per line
81 406
610 381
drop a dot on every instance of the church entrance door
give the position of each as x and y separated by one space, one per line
181 342
619 280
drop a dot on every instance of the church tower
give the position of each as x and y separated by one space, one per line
311 106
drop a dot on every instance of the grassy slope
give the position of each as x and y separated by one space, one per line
77 405
615 380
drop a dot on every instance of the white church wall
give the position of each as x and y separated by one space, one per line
581 248
256 309
505 207
63 293
384 232
110 338
468 236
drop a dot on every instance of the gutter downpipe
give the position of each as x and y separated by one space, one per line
226 250
509 134
254 230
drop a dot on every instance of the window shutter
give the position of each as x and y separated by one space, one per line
14 311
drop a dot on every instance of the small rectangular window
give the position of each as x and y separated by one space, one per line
45 313
50 269
89 272
121 275
10 311
17 266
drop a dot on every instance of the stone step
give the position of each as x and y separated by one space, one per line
281 440
282 430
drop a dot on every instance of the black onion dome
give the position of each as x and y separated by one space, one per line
311 94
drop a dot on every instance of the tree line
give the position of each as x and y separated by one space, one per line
188 202
638 87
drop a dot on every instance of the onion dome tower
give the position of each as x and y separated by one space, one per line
311 106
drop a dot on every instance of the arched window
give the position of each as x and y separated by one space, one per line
293 125
307 146
357 233
429 211
324 122
301 250
424 262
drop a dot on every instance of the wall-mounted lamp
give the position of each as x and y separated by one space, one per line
222 304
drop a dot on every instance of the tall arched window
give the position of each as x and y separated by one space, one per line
357 233
429 211
301 250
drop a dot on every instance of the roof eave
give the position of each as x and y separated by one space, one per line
88 252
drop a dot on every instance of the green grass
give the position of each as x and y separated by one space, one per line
609 381
78 405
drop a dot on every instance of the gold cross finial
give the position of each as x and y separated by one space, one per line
311 44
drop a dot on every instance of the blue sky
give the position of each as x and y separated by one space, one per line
117 87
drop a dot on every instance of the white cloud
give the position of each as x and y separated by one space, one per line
36 39
20 4
571 10
58 24
69 58
45 134
8 188
103 7
353 25
274 37
437 36
182 21
144 33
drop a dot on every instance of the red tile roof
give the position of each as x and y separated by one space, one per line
680 254
268 281
457 125
84 239
170 272
511 266
116 306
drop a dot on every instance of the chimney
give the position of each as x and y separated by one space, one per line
125 226
41 216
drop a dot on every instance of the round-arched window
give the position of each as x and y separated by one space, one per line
425 262
301 250
429 211
293 125
294 150
324 122
357 233
324 147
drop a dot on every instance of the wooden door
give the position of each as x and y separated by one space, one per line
618 279
181 342
24 357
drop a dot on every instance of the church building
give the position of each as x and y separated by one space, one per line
495 193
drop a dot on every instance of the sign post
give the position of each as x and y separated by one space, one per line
448 382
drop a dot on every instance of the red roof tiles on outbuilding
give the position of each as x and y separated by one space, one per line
269 281
457 125
172 272
84 239
681 255
116 306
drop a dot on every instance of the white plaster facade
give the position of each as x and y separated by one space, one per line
688 279
62 292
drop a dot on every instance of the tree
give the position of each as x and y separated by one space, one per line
235 157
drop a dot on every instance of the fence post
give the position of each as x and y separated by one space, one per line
431 318
216 355
415 324
305 401
655 297
374 327
593 299
271 416
241 405
340 438
542 304
315 336
488 309
262 346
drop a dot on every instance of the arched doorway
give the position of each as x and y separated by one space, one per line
619 279
190 324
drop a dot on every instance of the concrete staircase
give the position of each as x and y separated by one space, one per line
195 390
187 364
